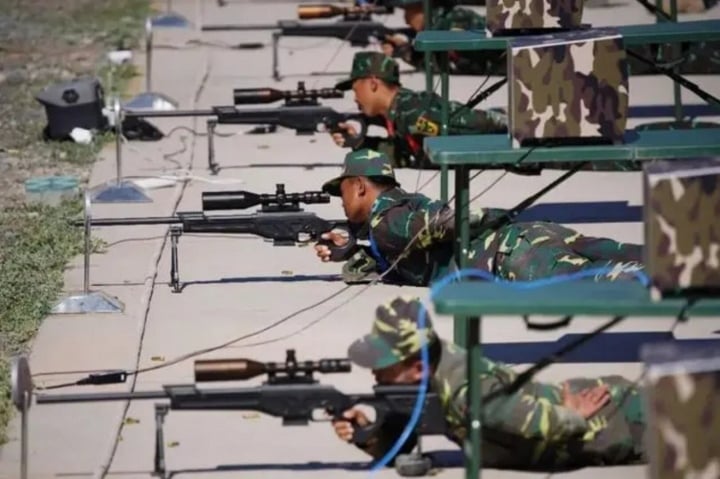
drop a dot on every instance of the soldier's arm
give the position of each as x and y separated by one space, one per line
461 119
526 415
431 224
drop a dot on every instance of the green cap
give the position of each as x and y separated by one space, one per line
365 162
366 64
395 335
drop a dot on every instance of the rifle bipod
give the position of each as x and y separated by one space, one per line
160 469
212 164
175 233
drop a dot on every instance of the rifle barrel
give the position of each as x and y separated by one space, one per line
168 113
119 396
228 27
147 220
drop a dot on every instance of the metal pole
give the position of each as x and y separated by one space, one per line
86 267
118 137
148 53
23 435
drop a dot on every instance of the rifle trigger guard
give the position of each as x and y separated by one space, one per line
340 253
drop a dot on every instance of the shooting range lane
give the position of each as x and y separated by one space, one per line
236 285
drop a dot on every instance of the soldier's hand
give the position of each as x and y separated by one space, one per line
588 401
396 40
344 428
323 251
348 129
387 48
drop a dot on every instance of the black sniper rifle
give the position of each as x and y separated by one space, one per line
290 392
359 33
280 219
301 112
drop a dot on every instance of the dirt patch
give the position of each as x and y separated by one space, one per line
44 42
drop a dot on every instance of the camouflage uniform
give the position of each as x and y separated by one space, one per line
516 251
415 115
528 429
446 17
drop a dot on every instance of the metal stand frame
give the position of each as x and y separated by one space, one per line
21 394
119 190
275 66
88 301
149 100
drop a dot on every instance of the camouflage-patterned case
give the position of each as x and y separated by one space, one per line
682 225
568 88
505 17
682 397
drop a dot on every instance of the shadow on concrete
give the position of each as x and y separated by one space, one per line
584 212
440 459
239 280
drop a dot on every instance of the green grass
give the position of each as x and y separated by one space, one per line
37 242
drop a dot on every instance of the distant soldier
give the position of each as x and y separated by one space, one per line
581 422
408 115
444 16
419 234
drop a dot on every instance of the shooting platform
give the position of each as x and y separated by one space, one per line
470 300
662 32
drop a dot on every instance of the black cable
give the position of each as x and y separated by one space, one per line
655 10
693 87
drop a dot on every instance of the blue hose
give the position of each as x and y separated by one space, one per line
425 355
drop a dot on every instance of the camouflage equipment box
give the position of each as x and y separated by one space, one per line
568 88
518 17
682 397
682 226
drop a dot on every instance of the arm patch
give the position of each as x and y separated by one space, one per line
427 127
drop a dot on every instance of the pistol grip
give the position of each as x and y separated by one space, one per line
340 253
362 435
353 142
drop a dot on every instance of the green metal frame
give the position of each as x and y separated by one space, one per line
442 42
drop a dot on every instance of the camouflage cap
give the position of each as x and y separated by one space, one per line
366 64
395 335
365 162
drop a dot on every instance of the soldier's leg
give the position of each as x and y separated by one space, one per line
543 251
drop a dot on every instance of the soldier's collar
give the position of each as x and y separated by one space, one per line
393 110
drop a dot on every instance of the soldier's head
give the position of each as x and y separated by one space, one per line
366 173
392 349
374 78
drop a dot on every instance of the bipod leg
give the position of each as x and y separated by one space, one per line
275 60
175 232
160 470
212 165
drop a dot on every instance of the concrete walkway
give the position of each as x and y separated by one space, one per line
237 285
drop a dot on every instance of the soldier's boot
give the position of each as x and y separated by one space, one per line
359 269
